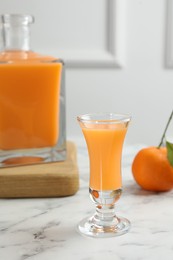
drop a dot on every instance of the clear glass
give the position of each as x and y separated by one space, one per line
104 134
32 103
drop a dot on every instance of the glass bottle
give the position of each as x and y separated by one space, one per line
32 98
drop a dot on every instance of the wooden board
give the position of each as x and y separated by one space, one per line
41 180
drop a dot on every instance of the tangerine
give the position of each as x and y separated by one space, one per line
152 170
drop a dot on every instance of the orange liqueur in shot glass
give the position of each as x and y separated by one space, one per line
104 134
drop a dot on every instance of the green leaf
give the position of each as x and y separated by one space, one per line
169 147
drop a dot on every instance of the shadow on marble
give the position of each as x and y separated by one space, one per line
134 189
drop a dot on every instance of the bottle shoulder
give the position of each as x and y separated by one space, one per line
15 56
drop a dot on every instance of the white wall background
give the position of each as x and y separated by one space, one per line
116 53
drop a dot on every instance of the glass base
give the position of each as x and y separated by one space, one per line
104 223
32 156
87 227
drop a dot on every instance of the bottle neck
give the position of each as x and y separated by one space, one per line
16 38
16 32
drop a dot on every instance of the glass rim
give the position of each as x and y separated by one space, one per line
17 18
104 118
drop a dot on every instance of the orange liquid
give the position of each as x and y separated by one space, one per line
29 104
105 148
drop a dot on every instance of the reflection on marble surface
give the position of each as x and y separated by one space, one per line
45 229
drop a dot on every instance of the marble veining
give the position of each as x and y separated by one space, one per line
45 229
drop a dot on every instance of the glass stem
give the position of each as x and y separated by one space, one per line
105 216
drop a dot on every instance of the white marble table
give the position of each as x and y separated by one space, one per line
45 229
